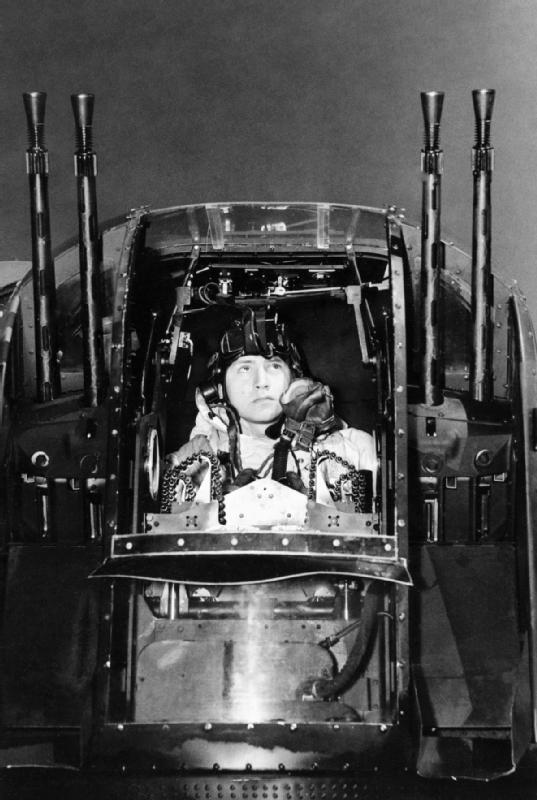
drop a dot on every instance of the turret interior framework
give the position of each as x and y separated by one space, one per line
262 630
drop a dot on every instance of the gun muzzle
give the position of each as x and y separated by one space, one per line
482 285
48 383
90 250
431 249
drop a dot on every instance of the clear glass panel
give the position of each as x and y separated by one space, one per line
258 226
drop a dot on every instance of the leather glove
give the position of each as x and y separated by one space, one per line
309 410
243 479
294 481
197 444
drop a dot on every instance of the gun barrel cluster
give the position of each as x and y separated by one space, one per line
432 345
90 249
91 302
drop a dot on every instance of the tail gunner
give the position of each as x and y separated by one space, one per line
263 418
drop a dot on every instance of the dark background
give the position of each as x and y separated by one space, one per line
207 100
204 100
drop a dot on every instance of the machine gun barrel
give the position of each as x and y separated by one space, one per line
431 249
482 287
46 356
90 249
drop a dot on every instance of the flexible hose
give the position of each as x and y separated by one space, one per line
361 649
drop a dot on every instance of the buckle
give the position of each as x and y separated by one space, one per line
305 435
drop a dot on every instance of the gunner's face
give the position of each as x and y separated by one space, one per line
254 385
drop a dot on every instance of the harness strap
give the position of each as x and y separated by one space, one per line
281 455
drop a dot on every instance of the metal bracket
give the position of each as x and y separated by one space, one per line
184 298
354 298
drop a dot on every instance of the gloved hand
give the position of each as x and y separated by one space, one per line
197 444
309 409
244 477
294 481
